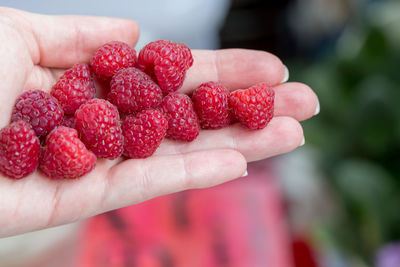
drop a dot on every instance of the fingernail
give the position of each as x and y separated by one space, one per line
245 174
317 108
303 142
286 74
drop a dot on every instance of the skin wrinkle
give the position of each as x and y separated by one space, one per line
187 177
145 181
33 46
106 189
54 211
216 65
234 143
18 204
79 39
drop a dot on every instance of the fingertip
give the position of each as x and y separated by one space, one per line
296 100
132 31
272 68
241 68
267 67
290 132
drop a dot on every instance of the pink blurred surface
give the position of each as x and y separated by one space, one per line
240 223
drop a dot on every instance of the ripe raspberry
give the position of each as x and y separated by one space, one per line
97 122
40 109
166 62
19 150
65 156
211 103
183 123
74 88
143 133
69 121
132 90
112 57
253 107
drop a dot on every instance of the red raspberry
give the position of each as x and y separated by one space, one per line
19 150
69 121
132 90
40 109
65 156
74 88
112 57
253 107
97 122
166 62
211 103
183 123
143 133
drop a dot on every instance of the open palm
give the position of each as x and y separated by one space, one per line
36 49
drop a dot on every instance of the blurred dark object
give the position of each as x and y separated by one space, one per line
259 24
286 28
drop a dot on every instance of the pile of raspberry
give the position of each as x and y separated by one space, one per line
62 133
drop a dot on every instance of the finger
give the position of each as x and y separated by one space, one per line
61 41
162 175
282 134
295 100
235 68
130 182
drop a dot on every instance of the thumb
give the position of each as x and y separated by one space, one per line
61 41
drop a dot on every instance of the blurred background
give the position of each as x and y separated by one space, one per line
331 203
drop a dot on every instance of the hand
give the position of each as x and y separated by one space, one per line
36 49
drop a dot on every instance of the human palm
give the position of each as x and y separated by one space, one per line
36 49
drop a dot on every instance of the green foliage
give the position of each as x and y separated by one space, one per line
358 133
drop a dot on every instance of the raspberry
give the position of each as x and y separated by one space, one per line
97 122
166 62
40 109
253 107
183 123
211 103
132 90
65 156
112 57
143 133
19 150
74 88
69 121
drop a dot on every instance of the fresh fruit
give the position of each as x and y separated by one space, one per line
183 123
166 62
65 156
143 133
74 88
211 103
19 150
132 90
98 125
135 90
112 57
39 109
253 107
